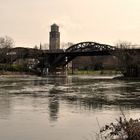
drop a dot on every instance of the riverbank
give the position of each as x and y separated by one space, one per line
126 78
11 73
94 72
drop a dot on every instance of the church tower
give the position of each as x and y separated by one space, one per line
54 37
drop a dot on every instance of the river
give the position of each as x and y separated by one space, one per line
63 108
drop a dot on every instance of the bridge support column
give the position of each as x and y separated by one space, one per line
57 71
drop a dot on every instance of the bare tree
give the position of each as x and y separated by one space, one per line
6 42
128 59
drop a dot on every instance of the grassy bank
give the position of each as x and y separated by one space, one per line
94 72
14 69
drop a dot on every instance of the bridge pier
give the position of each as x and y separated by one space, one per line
54 71
57 71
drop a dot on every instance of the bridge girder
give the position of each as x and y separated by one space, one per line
90 46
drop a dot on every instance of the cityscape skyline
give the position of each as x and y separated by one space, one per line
28 22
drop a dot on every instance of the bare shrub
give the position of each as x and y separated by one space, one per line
123 129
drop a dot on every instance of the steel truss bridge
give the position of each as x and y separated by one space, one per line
60 58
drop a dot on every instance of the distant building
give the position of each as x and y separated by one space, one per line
54 43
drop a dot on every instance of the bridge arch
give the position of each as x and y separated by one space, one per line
89 46
81 49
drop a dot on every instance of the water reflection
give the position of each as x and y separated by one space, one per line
86 93
54 108
5 106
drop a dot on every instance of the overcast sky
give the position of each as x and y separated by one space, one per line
104 21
